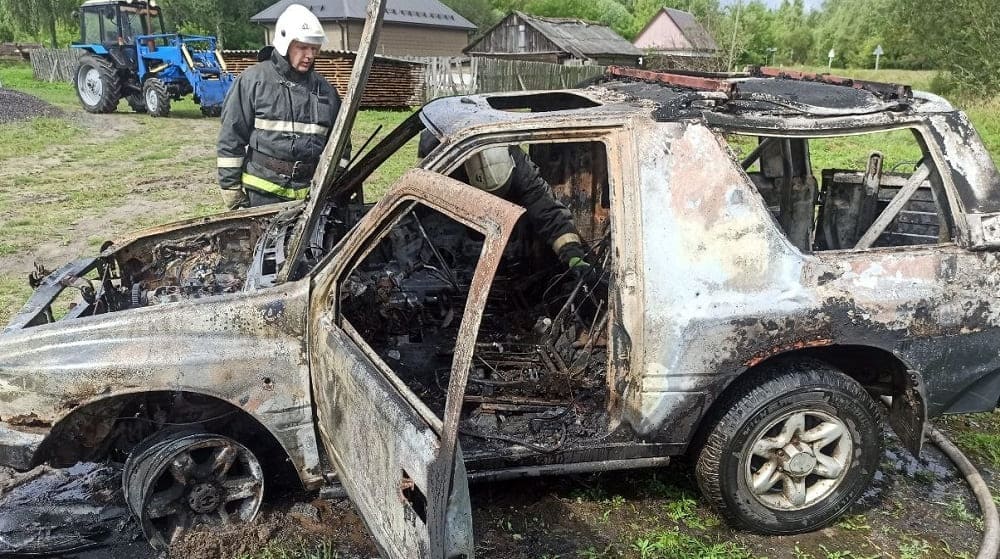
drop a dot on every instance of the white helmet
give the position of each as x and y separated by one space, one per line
490 169
297 23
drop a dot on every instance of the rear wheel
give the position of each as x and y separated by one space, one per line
791 449
137 102
176 482
157 98
97 84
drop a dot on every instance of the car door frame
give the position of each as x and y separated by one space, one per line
489 215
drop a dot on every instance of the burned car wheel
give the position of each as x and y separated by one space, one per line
791 449
191 480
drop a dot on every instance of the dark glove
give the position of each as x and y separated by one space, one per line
572 256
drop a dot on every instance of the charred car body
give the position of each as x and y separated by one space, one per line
739 309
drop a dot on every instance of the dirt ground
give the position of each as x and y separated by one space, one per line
917 509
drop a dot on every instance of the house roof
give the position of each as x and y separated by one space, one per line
430 13
580 38
694 32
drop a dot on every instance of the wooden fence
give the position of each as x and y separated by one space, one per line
457 76
520 75
393 82
55 65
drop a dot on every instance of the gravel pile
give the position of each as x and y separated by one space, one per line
16 106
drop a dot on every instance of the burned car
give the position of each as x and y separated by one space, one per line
741 308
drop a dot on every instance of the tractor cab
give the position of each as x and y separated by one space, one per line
114 23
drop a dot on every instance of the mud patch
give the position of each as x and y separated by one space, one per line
300 527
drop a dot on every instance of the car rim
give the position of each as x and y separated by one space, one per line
90 86
152 101
196 480
798 460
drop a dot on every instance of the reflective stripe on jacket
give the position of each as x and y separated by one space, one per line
279 112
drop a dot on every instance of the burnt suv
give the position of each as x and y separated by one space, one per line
750 299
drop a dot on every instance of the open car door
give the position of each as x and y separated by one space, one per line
397 458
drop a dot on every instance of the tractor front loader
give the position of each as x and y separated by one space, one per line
128 55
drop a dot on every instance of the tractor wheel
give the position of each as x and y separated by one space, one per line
154 91
212 111
97 84
137 102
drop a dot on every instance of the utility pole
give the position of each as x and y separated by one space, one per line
736 26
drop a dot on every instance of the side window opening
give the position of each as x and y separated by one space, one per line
539 373
91 27
878 189
407 297
110 24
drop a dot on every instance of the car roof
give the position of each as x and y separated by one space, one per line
757 95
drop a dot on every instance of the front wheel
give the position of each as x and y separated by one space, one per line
791 449
157 98
174 482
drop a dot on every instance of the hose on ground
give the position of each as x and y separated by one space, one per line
990 544
991 522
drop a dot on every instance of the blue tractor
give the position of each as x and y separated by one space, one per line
129 55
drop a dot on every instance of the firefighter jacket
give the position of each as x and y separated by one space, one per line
550 219
275 124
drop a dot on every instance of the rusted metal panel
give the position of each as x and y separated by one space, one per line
679 80
747 294
246 350
336 146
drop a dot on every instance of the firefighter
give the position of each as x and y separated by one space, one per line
277 117
510 174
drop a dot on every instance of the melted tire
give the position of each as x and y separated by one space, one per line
804 386
97 84
174 482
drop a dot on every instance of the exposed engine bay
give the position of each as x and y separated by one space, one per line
538 378
190 268
207 261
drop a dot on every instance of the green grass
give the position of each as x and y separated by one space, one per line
674 544
21 139
982 445
20 77
401 161
13 293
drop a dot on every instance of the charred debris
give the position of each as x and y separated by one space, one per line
538 377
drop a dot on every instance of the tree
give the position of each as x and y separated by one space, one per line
608 12
963 38
226 20
480 12
37 17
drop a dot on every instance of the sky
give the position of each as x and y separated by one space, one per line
810 4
